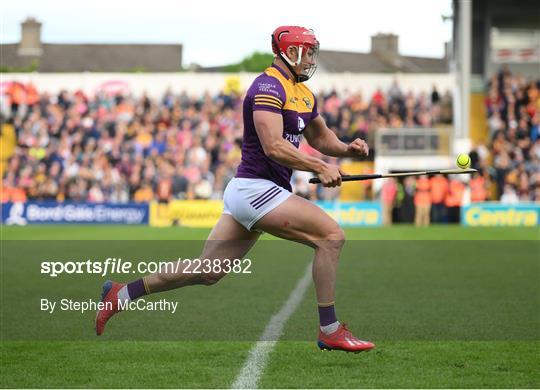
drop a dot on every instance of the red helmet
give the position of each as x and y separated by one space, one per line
303 39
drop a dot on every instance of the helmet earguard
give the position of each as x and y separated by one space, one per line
304 40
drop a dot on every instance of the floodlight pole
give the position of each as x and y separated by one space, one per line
461 135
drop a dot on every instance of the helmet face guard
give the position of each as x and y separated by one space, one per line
307 48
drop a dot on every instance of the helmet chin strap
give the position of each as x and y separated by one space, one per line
290 65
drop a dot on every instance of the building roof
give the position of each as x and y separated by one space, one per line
331 61
342 61
97 58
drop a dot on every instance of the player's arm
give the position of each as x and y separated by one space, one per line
269 127
320 137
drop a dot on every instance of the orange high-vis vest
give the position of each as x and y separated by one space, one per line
5 194
12 194
422 196
439 189
17 93
32 95
18 195
455 194
478 189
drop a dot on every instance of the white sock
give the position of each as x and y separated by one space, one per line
329 329
123 294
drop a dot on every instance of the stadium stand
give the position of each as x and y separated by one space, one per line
513 106
119 148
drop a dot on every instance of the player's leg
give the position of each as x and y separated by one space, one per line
228 239
300 220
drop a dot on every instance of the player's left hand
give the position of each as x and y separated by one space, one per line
358 148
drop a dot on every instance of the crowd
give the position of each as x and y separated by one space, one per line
120 148
352 115
113 148
512 158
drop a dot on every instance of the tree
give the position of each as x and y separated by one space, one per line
257 62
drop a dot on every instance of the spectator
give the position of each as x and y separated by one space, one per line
407 212
144 193
119 194
301 187
388 198
439 191
454 199
435 104
95 194
509 195
479 188
446 108
422 201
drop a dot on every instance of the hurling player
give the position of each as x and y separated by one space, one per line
278 110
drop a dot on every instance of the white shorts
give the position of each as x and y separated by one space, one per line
248 200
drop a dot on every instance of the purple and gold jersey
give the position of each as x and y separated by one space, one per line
274 91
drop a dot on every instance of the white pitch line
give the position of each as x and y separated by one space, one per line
251 372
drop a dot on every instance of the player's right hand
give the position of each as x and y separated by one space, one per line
330 176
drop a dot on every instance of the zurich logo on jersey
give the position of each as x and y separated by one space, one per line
301 124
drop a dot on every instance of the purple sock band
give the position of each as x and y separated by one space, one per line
327 315
136 289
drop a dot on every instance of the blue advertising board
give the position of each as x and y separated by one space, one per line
76 213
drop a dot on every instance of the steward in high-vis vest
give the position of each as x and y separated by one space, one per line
439 189
422 201
478 185
453 200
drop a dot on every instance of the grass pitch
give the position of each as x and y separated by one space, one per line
443 314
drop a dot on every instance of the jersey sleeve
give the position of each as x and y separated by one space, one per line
267 94
315 111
